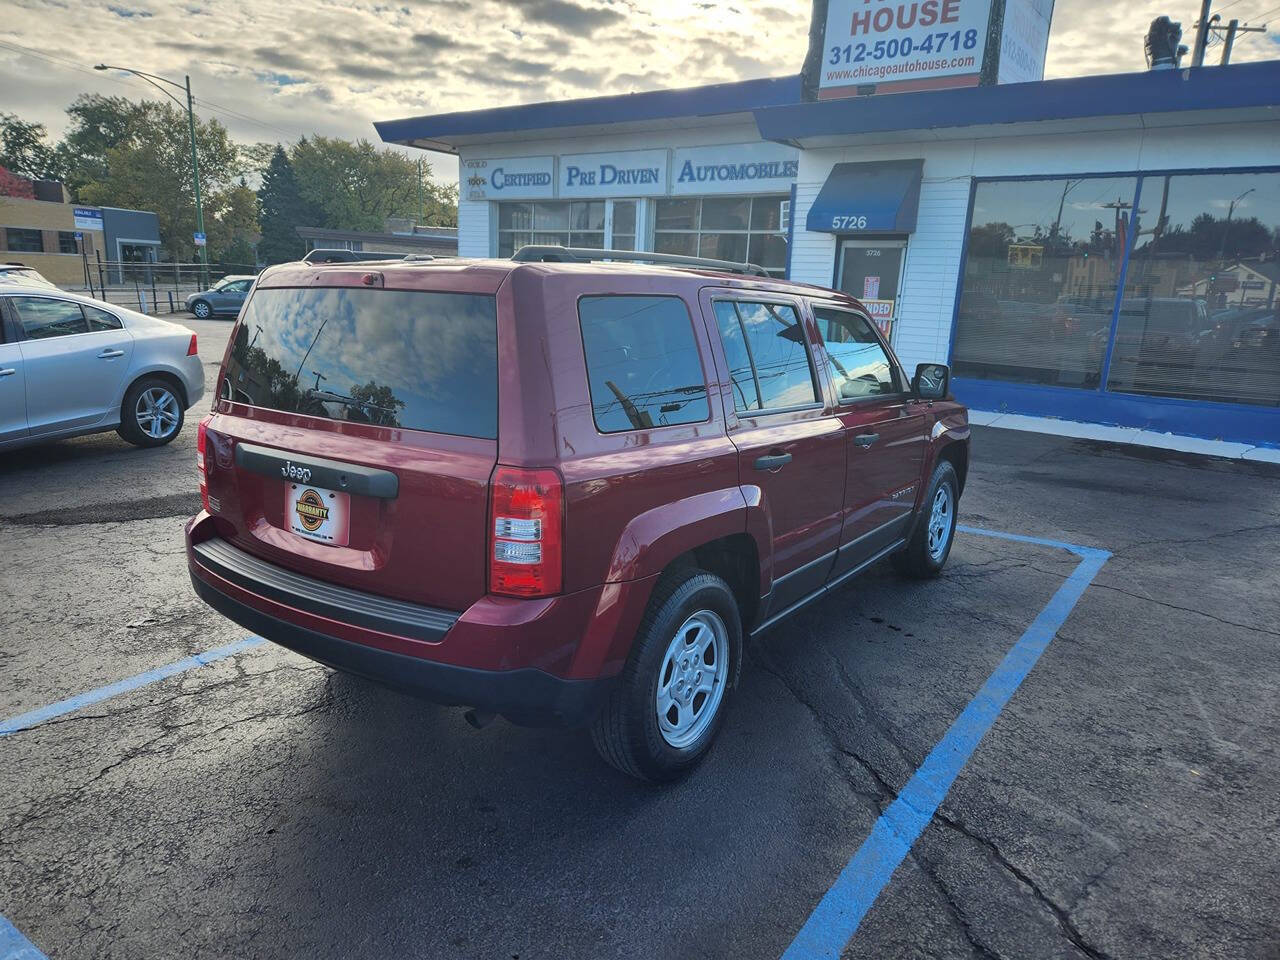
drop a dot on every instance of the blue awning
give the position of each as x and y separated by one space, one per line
879 196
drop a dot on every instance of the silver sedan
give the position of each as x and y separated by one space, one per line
71 365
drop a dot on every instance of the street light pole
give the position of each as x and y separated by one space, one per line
151 78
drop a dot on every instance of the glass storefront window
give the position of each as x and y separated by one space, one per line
578 223
725 228
1040 278
1200 317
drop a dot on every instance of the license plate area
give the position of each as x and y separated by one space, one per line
315 513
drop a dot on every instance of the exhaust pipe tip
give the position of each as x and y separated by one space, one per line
479 718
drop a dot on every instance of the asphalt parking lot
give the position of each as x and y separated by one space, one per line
1125 803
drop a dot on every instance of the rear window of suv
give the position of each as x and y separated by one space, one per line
392 358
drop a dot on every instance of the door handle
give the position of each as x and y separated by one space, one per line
865 440
110 354
8 372
774 461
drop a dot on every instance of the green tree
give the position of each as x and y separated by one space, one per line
98 124
357 186
150 169
24 150
280 210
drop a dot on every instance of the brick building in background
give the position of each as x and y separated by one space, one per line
41 228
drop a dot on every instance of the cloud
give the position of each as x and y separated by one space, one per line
339 65
567 15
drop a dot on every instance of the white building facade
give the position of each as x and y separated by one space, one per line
1098 249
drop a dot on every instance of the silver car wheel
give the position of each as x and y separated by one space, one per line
201 310
940 522
157 412
692 679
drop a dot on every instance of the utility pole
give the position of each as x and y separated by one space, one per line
1202 34
195 177
1232 29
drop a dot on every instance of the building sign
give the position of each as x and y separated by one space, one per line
509 178
1024 38
882 46
734 168
636 173
87 218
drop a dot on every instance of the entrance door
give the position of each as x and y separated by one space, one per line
871 271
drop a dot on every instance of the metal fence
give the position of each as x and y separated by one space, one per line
154 288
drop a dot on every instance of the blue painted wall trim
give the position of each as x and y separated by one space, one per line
742 97
1121 94
1237 423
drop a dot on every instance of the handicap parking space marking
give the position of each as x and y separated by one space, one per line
14 946
33 718
836 918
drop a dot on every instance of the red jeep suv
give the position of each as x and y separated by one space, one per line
565 492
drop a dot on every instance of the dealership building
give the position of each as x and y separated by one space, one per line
1100 250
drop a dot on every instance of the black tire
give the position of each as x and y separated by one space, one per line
202 305
626 731
135 430
916 559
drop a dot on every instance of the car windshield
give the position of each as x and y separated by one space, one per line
24 276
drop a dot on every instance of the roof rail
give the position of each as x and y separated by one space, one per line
551 253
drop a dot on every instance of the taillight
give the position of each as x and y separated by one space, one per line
191 347
202 463
526 532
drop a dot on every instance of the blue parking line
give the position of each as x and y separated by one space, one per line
14 946
25 721
838 914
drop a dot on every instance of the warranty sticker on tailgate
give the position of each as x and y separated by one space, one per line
318 514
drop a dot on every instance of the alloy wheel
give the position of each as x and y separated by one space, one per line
692 679
157 412
940 522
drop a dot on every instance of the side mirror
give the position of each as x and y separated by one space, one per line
932 381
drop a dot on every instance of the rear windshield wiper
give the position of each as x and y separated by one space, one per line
330 396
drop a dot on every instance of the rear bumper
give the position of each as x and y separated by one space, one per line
353 632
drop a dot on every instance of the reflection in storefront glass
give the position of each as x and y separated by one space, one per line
1199 318
1040 279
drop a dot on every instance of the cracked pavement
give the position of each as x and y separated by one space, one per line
1124 805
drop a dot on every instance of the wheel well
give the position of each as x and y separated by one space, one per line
735 560
957 453
172 381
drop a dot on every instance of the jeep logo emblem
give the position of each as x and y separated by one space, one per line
290 472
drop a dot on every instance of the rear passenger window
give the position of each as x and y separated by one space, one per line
768 362
859 365
42 319
643 366
101 320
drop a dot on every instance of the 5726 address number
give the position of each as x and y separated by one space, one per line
849 223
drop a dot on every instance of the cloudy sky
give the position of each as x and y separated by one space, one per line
274 70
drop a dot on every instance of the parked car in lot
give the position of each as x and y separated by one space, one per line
17 274
226 297
564 492
71 365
